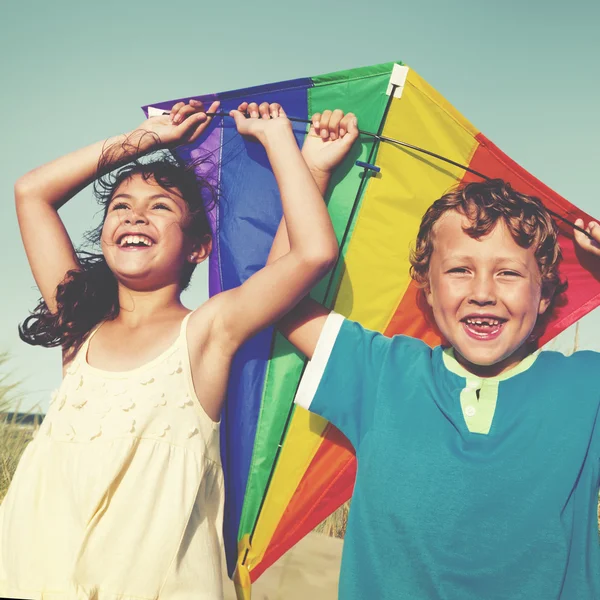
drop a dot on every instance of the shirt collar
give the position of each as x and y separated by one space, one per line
455 367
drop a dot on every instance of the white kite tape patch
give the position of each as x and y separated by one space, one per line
398 78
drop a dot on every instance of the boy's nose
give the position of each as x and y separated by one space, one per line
483 291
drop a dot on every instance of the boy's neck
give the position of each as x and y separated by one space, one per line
486 371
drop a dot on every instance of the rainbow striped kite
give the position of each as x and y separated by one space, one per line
286 470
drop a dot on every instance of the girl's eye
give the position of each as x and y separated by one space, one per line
459 270
119 206
161 206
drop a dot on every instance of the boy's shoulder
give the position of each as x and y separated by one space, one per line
581 361
575 374
394 348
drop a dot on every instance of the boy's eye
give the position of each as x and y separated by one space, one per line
458 270
510 274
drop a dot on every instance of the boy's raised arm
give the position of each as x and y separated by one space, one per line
328 142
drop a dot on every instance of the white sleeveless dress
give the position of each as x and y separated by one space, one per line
120 494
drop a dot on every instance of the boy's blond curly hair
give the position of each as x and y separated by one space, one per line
484 204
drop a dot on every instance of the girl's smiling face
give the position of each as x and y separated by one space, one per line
486 294
143 239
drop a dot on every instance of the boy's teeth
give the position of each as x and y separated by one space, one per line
490 322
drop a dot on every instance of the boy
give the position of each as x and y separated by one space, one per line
478 464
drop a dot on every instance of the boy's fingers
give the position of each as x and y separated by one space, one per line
243 107
348 124
580 238
334 123
253 110
324 125
316 122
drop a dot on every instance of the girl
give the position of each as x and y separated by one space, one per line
120 494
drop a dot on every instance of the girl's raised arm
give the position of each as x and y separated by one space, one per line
271 292
40 193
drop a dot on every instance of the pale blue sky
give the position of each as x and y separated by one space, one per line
524 72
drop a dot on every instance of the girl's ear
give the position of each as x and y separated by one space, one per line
200 250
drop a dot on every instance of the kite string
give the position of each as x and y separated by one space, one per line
382 138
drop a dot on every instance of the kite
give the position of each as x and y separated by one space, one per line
285 469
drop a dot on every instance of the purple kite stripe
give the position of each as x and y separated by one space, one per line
211 149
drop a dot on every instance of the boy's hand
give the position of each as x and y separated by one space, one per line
262 119
184 124
329 140
593 228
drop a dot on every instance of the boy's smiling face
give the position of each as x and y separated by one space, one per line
486 294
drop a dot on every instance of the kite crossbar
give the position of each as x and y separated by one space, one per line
389 140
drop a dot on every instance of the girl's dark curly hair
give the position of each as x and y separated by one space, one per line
484 204
88 295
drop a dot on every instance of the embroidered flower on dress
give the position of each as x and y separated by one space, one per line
128 405
131 428
162 432
148 381
100 408
69 432
192 432
79 404
176 369
160 400
119 389
185 401
62 401
80 384
97 433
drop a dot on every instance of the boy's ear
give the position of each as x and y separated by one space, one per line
544 304
428 295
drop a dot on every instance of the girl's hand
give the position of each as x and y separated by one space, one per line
329 140
593 228
183 125
262 119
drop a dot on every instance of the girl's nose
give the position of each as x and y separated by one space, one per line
135 218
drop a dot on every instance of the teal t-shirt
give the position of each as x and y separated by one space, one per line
501 508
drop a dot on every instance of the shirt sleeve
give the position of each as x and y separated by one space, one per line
340 383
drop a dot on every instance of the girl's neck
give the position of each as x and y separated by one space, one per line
139 307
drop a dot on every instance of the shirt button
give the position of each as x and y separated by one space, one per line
470 411
472 385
